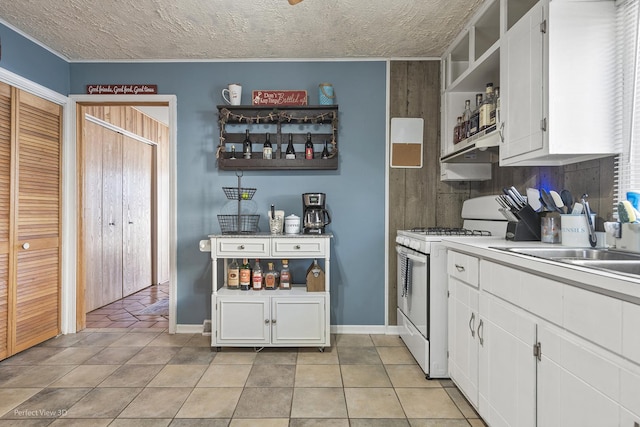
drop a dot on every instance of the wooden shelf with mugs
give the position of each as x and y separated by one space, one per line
244 130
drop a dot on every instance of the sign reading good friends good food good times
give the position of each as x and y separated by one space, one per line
122 89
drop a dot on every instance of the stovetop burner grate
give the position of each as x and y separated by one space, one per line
449 231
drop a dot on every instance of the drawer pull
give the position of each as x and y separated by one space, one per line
26 246
459 267
296 247
241 247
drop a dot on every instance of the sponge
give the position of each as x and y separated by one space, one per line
626 212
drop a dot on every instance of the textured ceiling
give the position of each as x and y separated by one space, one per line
81 30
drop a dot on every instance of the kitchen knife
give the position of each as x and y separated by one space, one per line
522 200
516 199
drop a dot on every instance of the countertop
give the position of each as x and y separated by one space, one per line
615 285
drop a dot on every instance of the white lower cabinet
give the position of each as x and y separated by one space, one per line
507 367
270 320
520 365
463 343
278 318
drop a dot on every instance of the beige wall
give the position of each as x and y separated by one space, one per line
417 197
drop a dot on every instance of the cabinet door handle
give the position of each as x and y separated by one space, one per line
273 321
26 245
472 328
266 321
130 222
296 247
481 331
241 247
112 223
459 267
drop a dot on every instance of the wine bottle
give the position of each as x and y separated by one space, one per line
245 275
325 150
285 275
267 149
290 153
233 275
308 148
256 276
246 146
494 115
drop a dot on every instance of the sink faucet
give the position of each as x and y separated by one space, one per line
590 226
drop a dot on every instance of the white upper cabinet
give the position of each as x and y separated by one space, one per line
557 67
553 61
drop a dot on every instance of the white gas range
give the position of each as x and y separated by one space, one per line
422 281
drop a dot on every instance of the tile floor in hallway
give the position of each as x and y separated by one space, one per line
146 377
125 313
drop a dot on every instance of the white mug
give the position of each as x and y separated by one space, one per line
235 94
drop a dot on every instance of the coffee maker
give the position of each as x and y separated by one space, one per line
315 216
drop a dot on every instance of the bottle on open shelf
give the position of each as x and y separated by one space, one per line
267 148
246 146
308 148
245 275
256 276
233 275
290 153
285 275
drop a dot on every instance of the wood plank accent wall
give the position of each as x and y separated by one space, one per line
417 197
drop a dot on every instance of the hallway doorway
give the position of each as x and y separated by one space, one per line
124 224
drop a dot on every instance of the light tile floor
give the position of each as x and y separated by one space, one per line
146 377
124 313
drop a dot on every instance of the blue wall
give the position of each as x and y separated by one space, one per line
355 192
31 61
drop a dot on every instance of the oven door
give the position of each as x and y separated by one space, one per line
413 298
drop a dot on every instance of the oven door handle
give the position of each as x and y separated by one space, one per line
415 258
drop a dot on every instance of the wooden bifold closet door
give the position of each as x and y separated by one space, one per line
30 218
116 200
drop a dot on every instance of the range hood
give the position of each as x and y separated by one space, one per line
479 148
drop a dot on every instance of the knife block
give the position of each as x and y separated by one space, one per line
527 228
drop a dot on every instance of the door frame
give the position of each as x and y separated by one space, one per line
131 100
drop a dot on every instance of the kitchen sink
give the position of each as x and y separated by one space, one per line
568 253
626 263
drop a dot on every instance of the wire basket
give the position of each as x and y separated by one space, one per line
236 193
248 224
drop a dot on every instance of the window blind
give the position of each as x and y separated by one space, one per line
627 164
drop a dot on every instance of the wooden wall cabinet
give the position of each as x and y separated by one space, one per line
30 219
319 120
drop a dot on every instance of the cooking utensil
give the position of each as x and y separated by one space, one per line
533 198
557 200
567 199
547 200
593 240
577 208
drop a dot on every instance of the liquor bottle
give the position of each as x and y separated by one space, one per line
267 149
494 115
245 275
485 108
475 116
246 146
466 119
233 152
256 276
290 153
457 131
325 150
270 277
233 275
308 148
285 275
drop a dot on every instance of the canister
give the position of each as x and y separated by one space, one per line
325 94
292 224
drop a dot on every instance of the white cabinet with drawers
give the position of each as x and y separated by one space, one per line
275 318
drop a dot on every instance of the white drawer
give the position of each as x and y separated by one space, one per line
463 267
298 248
242 248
